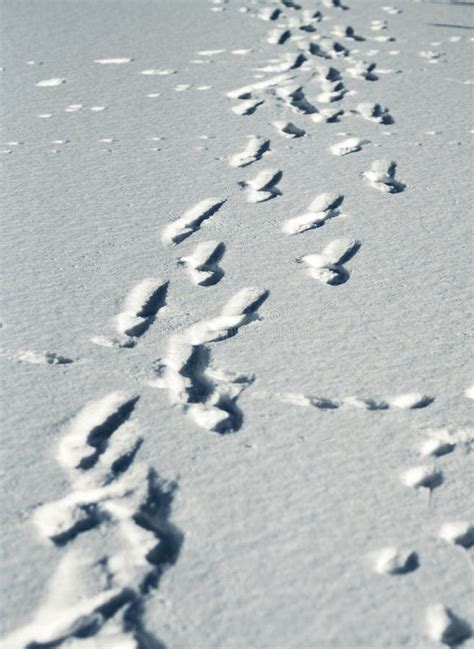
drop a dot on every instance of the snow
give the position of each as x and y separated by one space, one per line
302 475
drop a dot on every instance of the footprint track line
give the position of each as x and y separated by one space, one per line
406 401
129 501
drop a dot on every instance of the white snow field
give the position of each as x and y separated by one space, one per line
237 381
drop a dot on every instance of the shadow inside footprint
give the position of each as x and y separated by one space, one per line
411 564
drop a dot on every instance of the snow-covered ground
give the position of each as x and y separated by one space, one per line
236 371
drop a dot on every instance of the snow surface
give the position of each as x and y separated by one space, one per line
237 381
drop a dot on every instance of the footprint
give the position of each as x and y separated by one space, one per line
290 4
51 83
263 186
203 263
295 99
139 311
329 74
42 358
218 5
141 307
254 151
327 115
303 22
316 50
347 32
433 57
248 107
328 267
337 50
210 52
288 129
366 404
381 176
191 221
375 113
239 311
68 610
332 91
334 4
84 509
436 447
117 61
103 600
351 145
305 401
378 25
458 533
87 435
391 10
442 625
220 413
73 108
384 39
278 36
308 18
426 476
411 401
246 92
392 561
269 13
363 70
322 208
107 341
285 63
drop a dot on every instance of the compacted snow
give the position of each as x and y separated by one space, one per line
237 376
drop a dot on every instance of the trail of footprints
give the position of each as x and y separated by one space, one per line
103 596
109 489
442 625
303 88
405 401
305 80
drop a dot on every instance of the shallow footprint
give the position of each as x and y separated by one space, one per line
288 129
351 145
